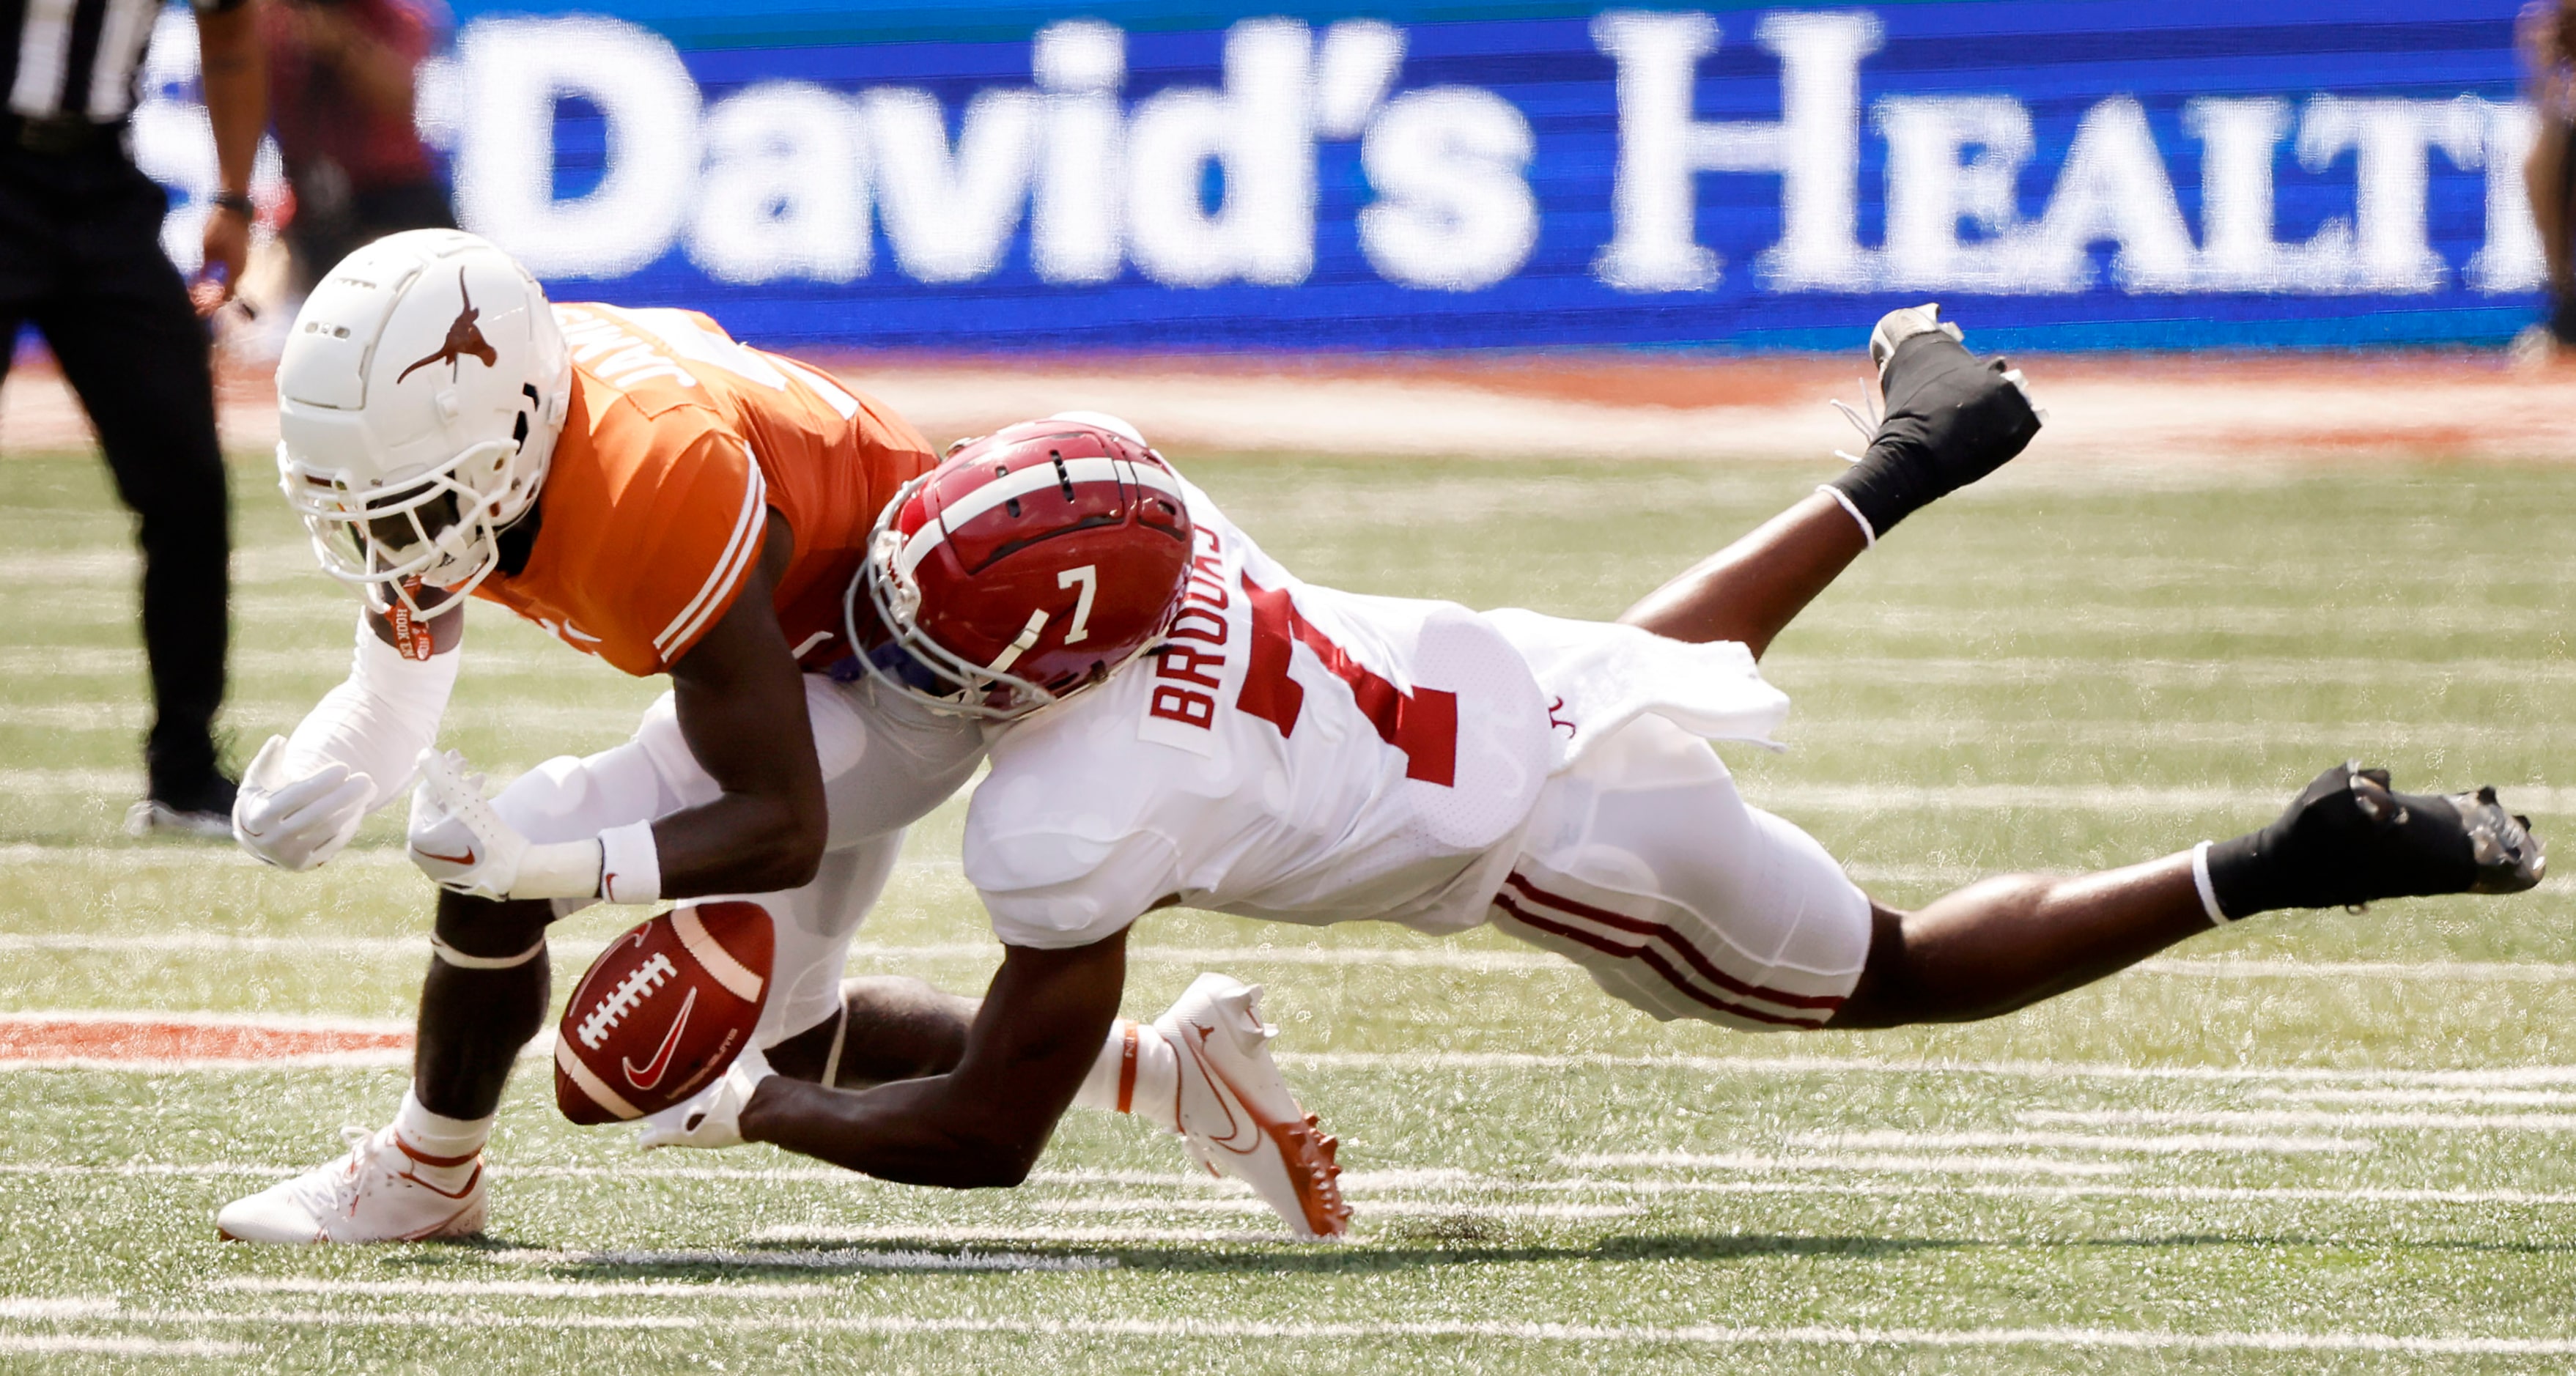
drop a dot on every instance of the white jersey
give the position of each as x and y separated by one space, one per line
1294 752
1308 755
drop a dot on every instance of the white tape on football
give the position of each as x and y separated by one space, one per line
735 976
592 1085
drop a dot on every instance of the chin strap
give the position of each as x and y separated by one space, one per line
832 1058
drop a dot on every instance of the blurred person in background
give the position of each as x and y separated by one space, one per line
2547 37
81 260
342 87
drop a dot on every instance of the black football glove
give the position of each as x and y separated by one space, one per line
1950 420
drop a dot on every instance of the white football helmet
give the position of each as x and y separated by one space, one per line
418 401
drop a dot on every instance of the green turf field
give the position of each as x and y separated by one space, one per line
2326 1142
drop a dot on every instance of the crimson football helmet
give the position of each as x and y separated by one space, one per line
1032 562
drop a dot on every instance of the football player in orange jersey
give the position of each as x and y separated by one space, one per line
657 495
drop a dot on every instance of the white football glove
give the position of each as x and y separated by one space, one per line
456 837
712 1117
296 824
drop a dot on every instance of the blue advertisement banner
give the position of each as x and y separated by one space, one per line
1149 176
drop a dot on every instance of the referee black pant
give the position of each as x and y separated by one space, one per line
80 258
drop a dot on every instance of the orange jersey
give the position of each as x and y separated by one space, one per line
676 443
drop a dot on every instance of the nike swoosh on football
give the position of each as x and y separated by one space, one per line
651 1075
466 859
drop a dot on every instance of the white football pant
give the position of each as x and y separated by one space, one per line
1643 865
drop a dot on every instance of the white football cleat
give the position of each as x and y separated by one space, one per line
370 1195
1238 1118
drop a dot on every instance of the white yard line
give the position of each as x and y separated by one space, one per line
1382 1208
262 1021
895 1232
1378 1200
2297 1118
1821 797
1401 1061
2022 671
2525 1098
57 1308
1923 1165
175 855
537 1289
1419 1062
1784 797
2167 1145
101 1345
1470 959
2461 971
1701 1335
77 718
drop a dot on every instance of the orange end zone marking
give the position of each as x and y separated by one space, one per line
37 1039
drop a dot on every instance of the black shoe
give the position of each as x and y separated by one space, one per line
203 808
2348 840
1948 420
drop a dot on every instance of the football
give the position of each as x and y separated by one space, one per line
662 1011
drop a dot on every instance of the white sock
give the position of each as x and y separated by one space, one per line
450 1144
1139 1073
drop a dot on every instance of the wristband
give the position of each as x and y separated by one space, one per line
236 202
630 866
1868 537
2208 890
559 869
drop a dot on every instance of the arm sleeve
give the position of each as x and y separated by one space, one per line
379 720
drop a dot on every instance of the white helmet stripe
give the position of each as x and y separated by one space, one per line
1034 478
923 542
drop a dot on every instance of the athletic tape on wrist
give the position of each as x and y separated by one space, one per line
630 866
2208 891
449 955
1869 537
559 869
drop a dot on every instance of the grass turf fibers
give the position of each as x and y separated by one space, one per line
2152 663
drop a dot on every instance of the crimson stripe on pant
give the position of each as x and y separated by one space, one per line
1645 927
1653 960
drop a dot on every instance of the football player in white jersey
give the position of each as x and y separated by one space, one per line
1298 754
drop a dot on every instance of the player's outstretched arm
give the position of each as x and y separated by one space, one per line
304 795
982 1124
1950 420
1749 591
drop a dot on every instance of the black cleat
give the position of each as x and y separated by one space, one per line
2347 839
1948 418
1966 416
201 808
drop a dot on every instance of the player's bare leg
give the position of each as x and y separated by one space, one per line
421 1176
483 1000
2006 943
2009 942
